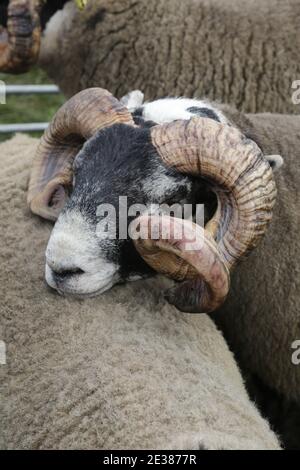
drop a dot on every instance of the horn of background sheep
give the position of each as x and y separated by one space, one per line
20 41
75 122
242 180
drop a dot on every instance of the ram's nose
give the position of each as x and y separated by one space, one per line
58 275
65 274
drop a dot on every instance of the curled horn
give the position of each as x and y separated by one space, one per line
20 41
243 182
75 122
189 254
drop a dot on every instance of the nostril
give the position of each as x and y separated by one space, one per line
66 273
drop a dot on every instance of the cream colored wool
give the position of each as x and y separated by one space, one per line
124 370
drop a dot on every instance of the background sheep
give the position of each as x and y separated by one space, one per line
122 371
244 53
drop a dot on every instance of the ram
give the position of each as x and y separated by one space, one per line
244 53
125 370
120 154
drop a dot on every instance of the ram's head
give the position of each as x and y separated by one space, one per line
93 153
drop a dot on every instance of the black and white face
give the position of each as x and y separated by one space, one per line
83 256
87 257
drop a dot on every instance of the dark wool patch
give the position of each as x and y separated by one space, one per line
138 112
139 121
203 112
138 116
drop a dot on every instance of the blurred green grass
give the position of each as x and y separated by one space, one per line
28 108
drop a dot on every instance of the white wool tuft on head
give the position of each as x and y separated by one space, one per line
133 100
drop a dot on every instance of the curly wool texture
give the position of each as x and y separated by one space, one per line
243 53
124 370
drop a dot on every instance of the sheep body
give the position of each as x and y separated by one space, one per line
244 53
124 370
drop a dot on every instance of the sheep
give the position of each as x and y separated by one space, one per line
123 371
243 53
274 134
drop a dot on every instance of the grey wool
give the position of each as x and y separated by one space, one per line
245 53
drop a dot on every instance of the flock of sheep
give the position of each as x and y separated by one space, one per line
87 368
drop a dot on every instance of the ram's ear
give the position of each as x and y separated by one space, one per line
275 161
134 99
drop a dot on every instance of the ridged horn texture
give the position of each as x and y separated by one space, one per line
75 122
20 41
243 181
193 255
